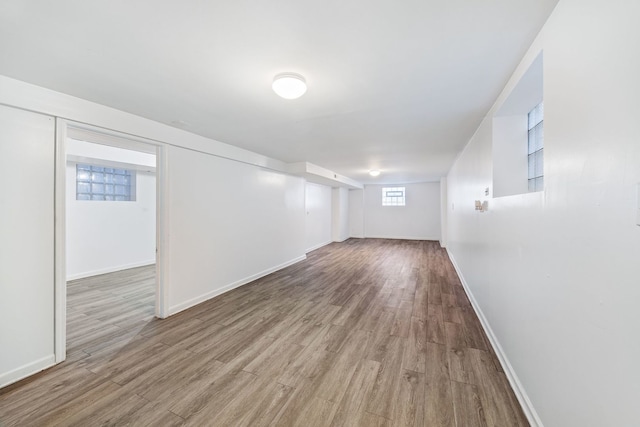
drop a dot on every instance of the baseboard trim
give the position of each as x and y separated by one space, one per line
27 370
204 297
313 248
516 385
435 239
109 270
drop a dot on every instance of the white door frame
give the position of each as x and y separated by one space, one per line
107 137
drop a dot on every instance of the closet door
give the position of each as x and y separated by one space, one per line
27 160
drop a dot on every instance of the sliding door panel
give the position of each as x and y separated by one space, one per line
27 160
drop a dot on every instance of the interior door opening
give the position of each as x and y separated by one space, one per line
111 286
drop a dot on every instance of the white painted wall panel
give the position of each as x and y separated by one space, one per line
27 149
101 236
229 223
356 213
319 216
443 212
555 273
509 147
340 218
419 219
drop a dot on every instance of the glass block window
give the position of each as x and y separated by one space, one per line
393 196
536 148
100 183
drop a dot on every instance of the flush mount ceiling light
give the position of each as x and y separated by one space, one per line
374 172
289 85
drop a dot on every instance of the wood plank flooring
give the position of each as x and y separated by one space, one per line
363 333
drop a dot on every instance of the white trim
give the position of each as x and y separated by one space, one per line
434 239
516 385
27 370
60 265
444 212
318 246
110 269
341 240
162 232
73 160
84 132
202 298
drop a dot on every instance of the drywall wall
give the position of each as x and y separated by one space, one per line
509 147
340 214
318 216
356 213
261 238
443 212
229 223
104 236
26 243
556 273
419 219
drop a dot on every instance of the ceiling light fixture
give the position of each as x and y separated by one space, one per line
374 172
289 85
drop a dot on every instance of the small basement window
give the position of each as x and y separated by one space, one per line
535 150
393 196
103 183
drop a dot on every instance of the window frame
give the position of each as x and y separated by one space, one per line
94 182
394 200
535 148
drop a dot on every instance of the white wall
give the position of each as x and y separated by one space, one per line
318 216
556 273
356 213
229 223
27 152
252 221
419 219
509 147
340 214
443 212
102 237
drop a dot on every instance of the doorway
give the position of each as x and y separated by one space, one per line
108 202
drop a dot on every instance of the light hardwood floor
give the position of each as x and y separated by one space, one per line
363 333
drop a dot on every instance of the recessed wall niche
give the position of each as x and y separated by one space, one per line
510 132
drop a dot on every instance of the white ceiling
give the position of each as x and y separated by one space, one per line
395 85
